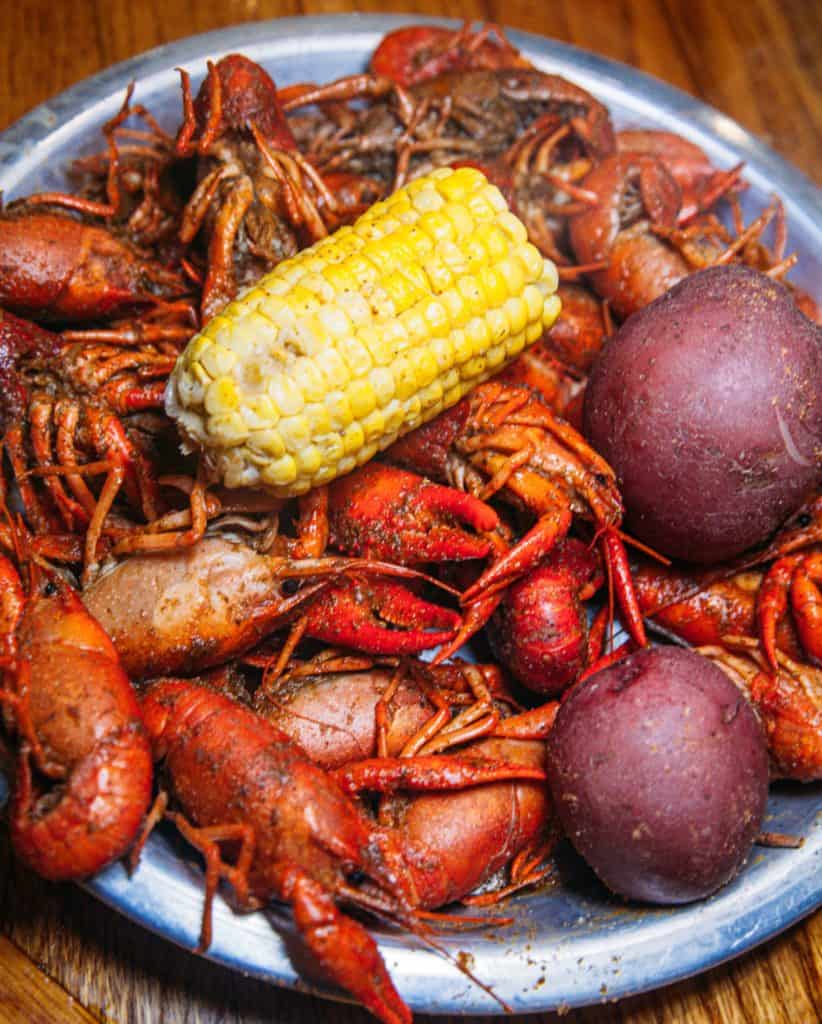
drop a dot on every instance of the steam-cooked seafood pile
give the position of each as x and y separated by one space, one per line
292 397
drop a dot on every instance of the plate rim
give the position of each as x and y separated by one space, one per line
19 147
41 120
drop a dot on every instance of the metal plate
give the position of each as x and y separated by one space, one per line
574 945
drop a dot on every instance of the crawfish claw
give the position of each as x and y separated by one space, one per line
395 515
379 616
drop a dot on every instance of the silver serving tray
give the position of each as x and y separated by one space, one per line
573 945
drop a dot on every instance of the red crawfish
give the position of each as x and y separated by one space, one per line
640 238
239 779
65 406
500 440
415 53
258 200
84 774
184 610
57 268
349 714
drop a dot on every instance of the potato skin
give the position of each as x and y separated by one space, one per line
708 404
658 768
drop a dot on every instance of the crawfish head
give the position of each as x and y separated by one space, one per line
416 53
236 94
54 267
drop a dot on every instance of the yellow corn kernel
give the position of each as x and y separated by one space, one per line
361 337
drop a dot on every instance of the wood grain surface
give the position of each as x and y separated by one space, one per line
64 957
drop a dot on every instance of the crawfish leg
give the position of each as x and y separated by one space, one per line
806 605
220 284
617 560
343 948
197 206
67 415
36 515
207 842
480 610
530 867
276 666
12 601
474 721
551 527
429 771
113 443
772 604
42 415
111 488
312 524
534 724
172 540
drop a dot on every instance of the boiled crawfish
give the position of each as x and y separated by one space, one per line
74 258
84 772
416 53
55 267
349 714
241 780
258 200
65 406
644 232
457 117
500 440
185 610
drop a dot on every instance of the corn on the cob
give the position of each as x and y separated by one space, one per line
364 336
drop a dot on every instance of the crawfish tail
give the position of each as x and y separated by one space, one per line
98 813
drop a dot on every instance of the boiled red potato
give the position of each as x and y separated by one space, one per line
708 404
658 769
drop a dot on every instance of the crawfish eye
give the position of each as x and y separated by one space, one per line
803 520
290 587
49 589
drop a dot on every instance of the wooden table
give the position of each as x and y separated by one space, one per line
63 957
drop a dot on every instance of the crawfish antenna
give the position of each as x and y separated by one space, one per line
413 922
